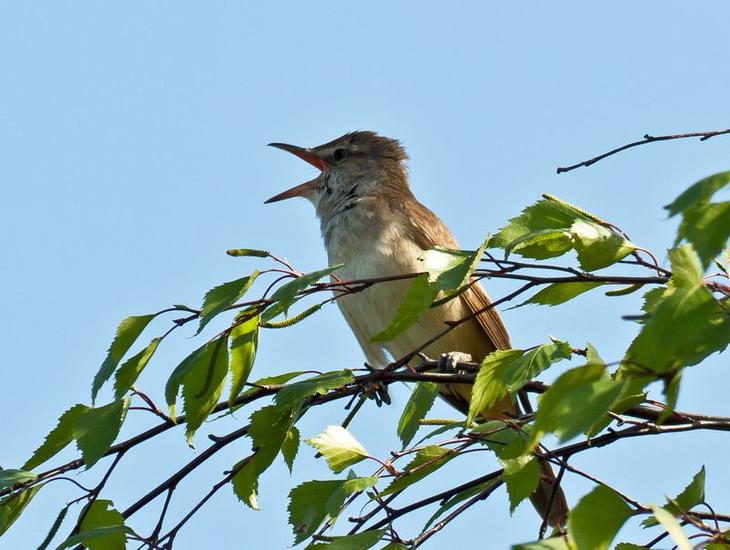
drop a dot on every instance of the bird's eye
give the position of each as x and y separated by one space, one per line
339 154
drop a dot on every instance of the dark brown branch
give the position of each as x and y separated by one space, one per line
647 139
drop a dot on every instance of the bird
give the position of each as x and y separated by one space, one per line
372 223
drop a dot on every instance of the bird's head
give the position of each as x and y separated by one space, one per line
356 165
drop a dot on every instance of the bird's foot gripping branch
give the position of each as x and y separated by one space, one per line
592 403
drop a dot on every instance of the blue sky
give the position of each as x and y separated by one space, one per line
132 147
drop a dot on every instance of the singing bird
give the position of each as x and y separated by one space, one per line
372 223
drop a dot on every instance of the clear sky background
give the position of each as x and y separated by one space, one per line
132 155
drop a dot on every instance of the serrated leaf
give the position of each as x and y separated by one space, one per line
244 342
13 505
290 447
418 405
671 525
339 448
699 193
58 439
417 300
577 400
521 476
97 428
505 371
220 298
128 373
359 541
598 246
127 333
202 384
100 533
558 293
595 520
286 294
12 476
554 543
294 393
101 514
275 380
505 441
54 528
427 460
268 431
692 495
312 501
686 323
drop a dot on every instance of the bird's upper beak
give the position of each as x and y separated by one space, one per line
303 189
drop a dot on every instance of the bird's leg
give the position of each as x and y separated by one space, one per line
449 361
376 390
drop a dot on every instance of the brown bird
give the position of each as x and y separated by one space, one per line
372 223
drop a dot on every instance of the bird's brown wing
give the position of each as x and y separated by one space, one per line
427 230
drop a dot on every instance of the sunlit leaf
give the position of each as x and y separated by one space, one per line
555 543
595 520
101 514
577 400
339 448
224 296
671 525
290 447
359 541
127 333
97 428
558 293
58 439
128 373
244 341
598 246
418 405
418 299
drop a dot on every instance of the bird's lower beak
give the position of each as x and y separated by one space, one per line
301 190
305 188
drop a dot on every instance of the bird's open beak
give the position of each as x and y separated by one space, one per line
303 189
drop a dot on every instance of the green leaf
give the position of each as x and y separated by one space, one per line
13 505
54 527
504 440
274 380
312 501
551 227
224 296
128 373
706 225
598 246
417 300
97 428
595 520
11 477
577 400
555 543
317 385
286 294
427 460
686 323
505 371
127 333
692 495
244 341
58 439
110 533
339 448
628 546
203 384
101 514
268 431
698 194
418 405
359 541
290 447
671 525
558 293
521 475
